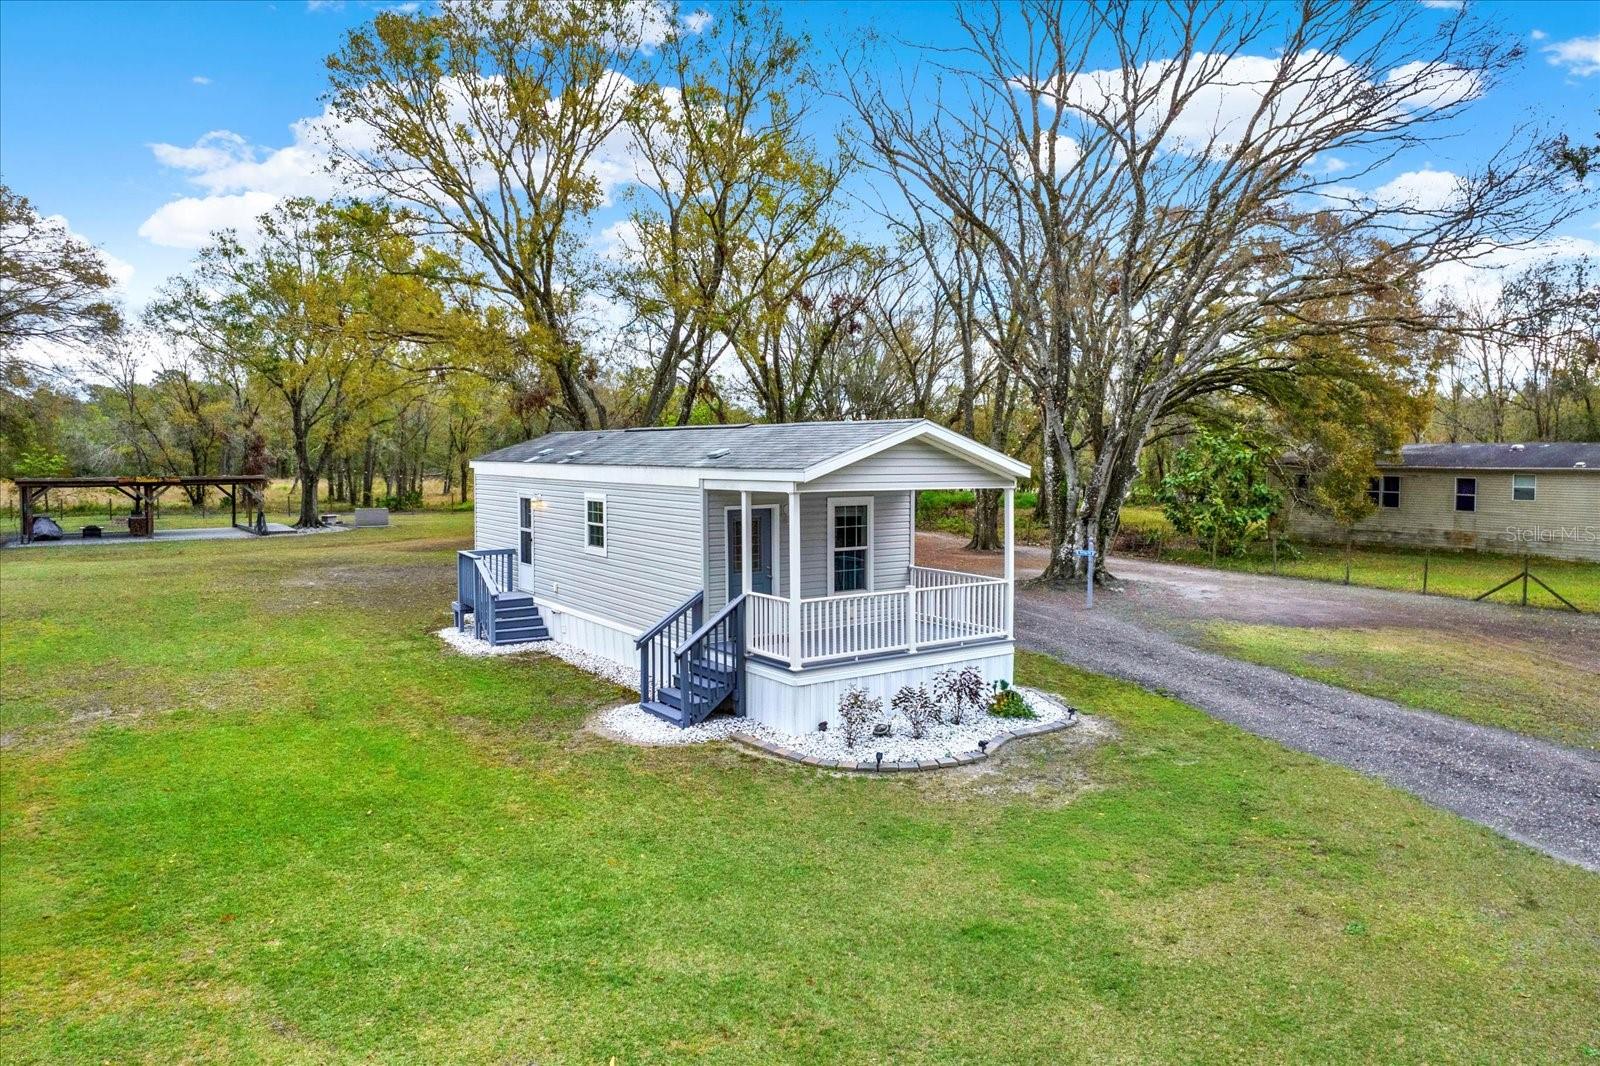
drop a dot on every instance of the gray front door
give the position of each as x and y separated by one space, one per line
761 551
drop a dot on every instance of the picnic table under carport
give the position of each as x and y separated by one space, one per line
242 491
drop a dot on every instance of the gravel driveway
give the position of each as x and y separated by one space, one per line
1541 794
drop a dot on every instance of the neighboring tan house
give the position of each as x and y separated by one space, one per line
763 567
1543 499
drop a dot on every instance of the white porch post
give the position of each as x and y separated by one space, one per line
1011 561
744 542
795 649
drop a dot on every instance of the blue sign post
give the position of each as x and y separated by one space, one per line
1088 553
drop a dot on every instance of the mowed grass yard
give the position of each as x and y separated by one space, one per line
250 810
1494 680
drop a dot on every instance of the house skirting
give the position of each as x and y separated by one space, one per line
591 633
795 702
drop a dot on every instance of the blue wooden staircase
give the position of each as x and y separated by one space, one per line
500 614
689 669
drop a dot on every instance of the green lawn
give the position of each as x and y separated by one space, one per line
251 811
1512 684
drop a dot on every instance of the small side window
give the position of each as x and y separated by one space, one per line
594 523
1524 487
1391 490
1466 494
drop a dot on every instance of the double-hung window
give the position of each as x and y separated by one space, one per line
1524 487
1466 494
850 544
525 531
594 523
1384 491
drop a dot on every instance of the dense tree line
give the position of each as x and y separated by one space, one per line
1083 267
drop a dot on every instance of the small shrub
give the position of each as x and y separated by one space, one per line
410 500
958 693
857 710
917 707
1007 702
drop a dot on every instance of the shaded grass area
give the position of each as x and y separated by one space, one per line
1513 684
1464 575
251 811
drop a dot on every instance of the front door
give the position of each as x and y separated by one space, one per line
762 551
524 572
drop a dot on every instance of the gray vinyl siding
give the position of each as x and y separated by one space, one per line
891 541
915 464
653 539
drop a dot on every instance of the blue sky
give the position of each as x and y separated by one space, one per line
89 92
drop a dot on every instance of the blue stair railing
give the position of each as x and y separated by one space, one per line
711 666
482 576
658 644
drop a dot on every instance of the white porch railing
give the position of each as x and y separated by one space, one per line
768 622
938 607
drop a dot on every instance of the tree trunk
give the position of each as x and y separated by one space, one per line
985 521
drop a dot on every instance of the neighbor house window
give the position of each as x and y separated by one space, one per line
1523 487
1384 491
1466 494
594 523
525 550
850 544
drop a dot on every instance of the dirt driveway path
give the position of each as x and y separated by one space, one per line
1542 794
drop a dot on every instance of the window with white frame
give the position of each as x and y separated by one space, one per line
1524 487
594 523
1466 494
525 531
850 544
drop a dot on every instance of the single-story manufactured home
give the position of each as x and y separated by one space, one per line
763 568
1538 498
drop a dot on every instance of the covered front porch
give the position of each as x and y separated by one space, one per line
839 582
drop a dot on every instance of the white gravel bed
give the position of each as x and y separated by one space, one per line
631 723
467 644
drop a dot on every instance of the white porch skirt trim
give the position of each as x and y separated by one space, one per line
797 702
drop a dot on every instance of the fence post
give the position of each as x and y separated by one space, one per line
1349 548
1425 556
1274 556
1524 580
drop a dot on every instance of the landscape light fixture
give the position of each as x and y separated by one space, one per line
880 760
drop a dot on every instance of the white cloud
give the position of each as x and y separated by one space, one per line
241 180
1308 89
121 270
1538 35
200 79
1443 5
1420 190
1431 85
190 221
1482 278
1329 164
1579 56
324 5
1067 153
697 21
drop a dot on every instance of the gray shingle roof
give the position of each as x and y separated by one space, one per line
790 446
1531 456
